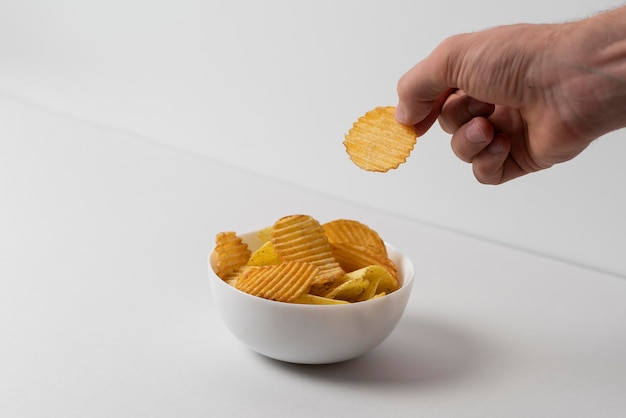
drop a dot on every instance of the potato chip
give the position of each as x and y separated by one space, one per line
265 256
231 278
350 290
230 253
353 257
322 287
309 299
351 231
264 234
379 281
282 282
302 238
377 142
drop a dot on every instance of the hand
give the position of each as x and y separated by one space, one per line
521 98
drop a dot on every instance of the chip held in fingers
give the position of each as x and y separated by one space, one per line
377 142
300 260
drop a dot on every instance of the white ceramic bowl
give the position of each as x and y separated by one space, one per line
311 334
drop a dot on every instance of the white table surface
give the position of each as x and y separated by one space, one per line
106 311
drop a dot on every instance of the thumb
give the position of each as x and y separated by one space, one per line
425 86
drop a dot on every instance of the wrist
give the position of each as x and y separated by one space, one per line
605 63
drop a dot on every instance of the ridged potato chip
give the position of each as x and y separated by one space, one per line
281 282
230 253
377 142
302 238
353 257
231 278
351 231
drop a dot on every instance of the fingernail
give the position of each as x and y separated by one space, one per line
478 108
400 115
475 134
496 146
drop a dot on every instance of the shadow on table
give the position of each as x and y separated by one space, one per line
418 352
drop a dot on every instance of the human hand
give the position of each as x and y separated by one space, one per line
521 98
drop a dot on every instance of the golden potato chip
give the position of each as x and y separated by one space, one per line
353 257
264 234
282 282
302 238
350 290
230 253
377 142
310 299
350 231
379 281
231 278
321 287
265 256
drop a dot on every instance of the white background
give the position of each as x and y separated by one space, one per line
131 132
273 86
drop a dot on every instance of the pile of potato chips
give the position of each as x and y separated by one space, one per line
303 261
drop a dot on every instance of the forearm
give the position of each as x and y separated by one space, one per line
602 43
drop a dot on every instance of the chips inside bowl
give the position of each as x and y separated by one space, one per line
377 142
299 260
